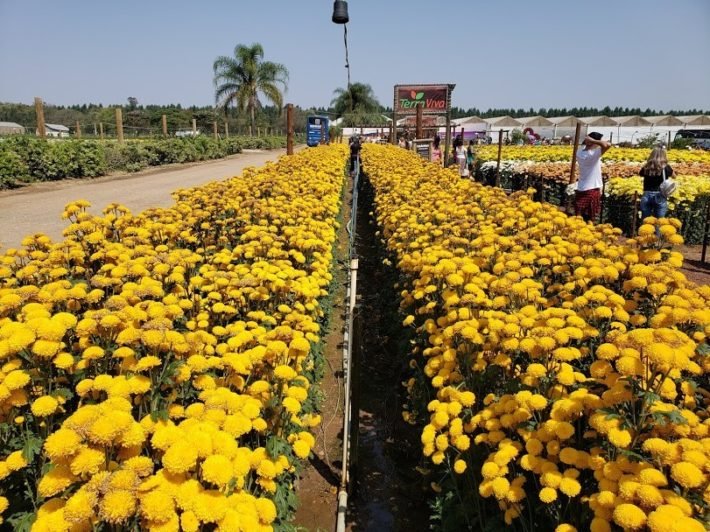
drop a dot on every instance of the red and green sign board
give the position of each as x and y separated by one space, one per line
431 98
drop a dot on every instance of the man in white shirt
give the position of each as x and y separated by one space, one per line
587 201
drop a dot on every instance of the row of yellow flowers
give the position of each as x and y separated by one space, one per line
564 153
157 369
559 376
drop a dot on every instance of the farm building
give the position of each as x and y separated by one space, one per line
56 130
11 128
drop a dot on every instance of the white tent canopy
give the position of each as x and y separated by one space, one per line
565 121
664 120
535 121
695 120
601 120
502 121
631 121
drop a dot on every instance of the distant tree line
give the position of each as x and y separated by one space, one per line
142 120
147 119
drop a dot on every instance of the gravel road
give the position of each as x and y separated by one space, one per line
37 208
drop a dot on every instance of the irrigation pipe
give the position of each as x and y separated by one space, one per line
351 298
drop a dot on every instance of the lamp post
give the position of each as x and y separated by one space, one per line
340 16
632 137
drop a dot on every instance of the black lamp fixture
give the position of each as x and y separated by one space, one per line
340 12
340 16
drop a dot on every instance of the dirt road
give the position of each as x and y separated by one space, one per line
37 208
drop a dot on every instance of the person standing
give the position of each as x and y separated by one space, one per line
587 201
436 150
470 158
654 172
460 156
354 153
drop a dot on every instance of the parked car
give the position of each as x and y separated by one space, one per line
700 137
187 133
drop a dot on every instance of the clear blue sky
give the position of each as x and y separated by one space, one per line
500 53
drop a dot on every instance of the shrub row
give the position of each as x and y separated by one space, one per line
26 159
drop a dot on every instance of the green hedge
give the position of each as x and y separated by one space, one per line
27 159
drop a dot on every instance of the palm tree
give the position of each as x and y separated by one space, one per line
357 105
240 79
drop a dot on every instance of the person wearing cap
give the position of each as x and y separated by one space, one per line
587 201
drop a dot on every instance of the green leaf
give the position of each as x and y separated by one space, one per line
420 95
159 415
22 522
32 447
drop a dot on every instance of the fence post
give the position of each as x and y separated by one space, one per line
226 130
194 127
289 129
635 214
39 110
78 130
669 140
165 125
500 148
119 125
214 130
706 230
101 130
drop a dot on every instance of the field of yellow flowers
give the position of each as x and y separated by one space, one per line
547 168
559 377
158 369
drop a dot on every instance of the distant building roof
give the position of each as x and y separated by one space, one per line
57 127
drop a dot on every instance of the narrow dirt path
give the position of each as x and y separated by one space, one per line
37 208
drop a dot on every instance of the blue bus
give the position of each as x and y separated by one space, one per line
316 127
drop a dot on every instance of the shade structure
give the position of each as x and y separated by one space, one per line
468 120
503 121
695 120
664 120
535 121
599 121
630 121
565 121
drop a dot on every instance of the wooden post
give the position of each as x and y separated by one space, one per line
119 125
574 153
39 110
635 215
226 130
462 133
669 140
500 148
611 137
420 112
214 130
194 127
706 230
101 130
78 130
289 129
165 126
95 133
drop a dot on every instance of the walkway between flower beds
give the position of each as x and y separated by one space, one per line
37 208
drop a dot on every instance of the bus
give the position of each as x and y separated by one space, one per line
316 130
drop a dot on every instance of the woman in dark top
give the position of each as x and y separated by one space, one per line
654 171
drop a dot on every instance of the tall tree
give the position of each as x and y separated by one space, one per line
240 79
357 105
